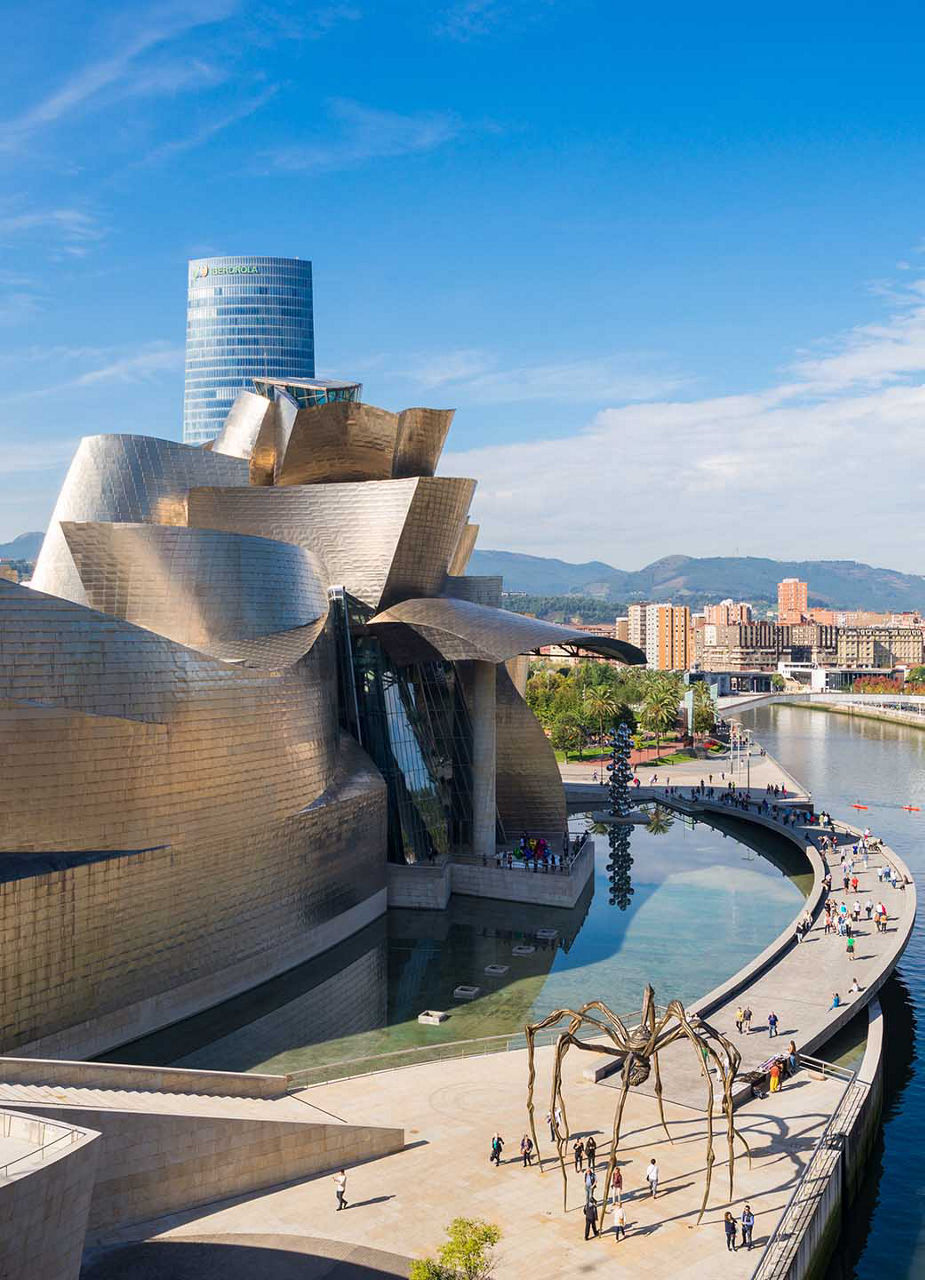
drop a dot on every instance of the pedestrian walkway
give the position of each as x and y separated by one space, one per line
402 1203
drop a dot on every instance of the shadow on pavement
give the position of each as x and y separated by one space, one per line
270 1257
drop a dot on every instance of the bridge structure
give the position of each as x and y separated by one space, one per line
871 703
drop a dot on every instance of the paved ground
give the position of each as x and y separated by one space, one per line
760 770
243 1257
402 1203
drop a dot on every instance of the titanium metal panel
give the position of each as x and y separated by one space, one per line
251 431
421 436
485 589
246 749
213 591
377 539
338 442
460 630
528 786
125 478
464 548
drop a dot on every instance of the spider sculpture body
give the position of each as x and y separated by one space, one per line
639 1047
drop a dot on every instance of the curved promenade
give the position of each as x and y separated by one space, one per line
798 980
450 1108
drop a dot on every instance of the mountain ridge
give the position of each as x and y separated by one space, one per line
834 584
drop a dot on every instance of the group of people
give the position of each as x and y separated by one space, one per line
731 1227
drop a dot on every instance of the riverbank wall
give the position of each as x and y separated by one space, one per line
804 1239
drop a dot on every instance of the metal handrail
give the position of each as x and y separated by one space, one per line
70 1135
780 1232
506 1043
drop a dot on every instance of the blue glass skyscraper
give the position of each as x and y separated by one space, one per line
246 318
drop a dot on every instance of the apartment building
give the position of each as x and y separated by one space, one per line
880 647
791 601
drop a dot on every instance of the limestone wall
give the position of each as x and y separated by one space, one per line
153 1163
43 1211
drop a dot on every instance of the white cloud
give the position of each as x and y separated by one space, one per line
470 375
208 130
362 133
153 26
73 226
829 464
148 362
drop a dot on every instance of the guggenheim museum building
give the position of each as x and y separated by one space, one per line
248 675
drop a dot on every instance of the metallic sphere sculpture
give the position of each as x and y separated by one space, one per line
638 1047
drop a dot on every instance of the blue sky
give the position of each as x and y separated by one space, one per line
666 262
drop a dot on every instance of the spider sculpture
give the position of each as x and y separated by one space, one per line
639 1048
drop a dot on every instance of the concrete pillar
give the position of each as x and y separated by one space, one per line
482 709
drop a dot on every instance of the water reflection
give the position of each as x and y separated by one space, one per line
690 883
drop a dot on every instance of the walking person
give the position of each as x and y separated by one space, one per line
619 1222
591 1152
849 946
590 1184
739 1019
652 1177
617 1186
591 1218
497 1146
578 1151
747 1020
340 1189
729 1223
748 1226
552 1127
526 1150
772 1024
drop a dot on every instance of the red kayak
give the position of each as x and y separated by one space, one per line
860 806
911 808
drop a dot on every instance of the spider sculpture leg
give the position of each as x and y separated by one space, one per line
615 1138
566 1039
649 1014
530 1031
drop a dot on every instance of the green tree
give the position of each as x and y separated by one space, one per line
566 734
704 712
467 1254
600 704
916 675
660 821
777 681
660 709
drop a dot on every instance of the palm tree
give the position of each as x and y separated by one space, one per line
660 709
660 821
600 704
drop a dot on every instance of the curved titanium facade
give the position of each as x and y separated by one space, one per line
246 317
188 695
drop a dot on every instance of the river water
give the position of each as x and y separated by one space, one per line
846 760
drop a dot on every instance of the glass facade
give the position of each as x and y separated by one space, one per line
414 722
246 318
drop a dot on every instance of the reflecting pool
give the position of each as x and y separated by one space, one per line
704 902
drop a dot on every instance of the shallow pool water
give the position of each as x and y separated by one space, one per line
703 904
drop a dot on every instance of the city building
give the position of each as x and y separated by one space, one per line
727 613
636 624
247 318
622 630
880 647
761 646
251 694
791 601
668 644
